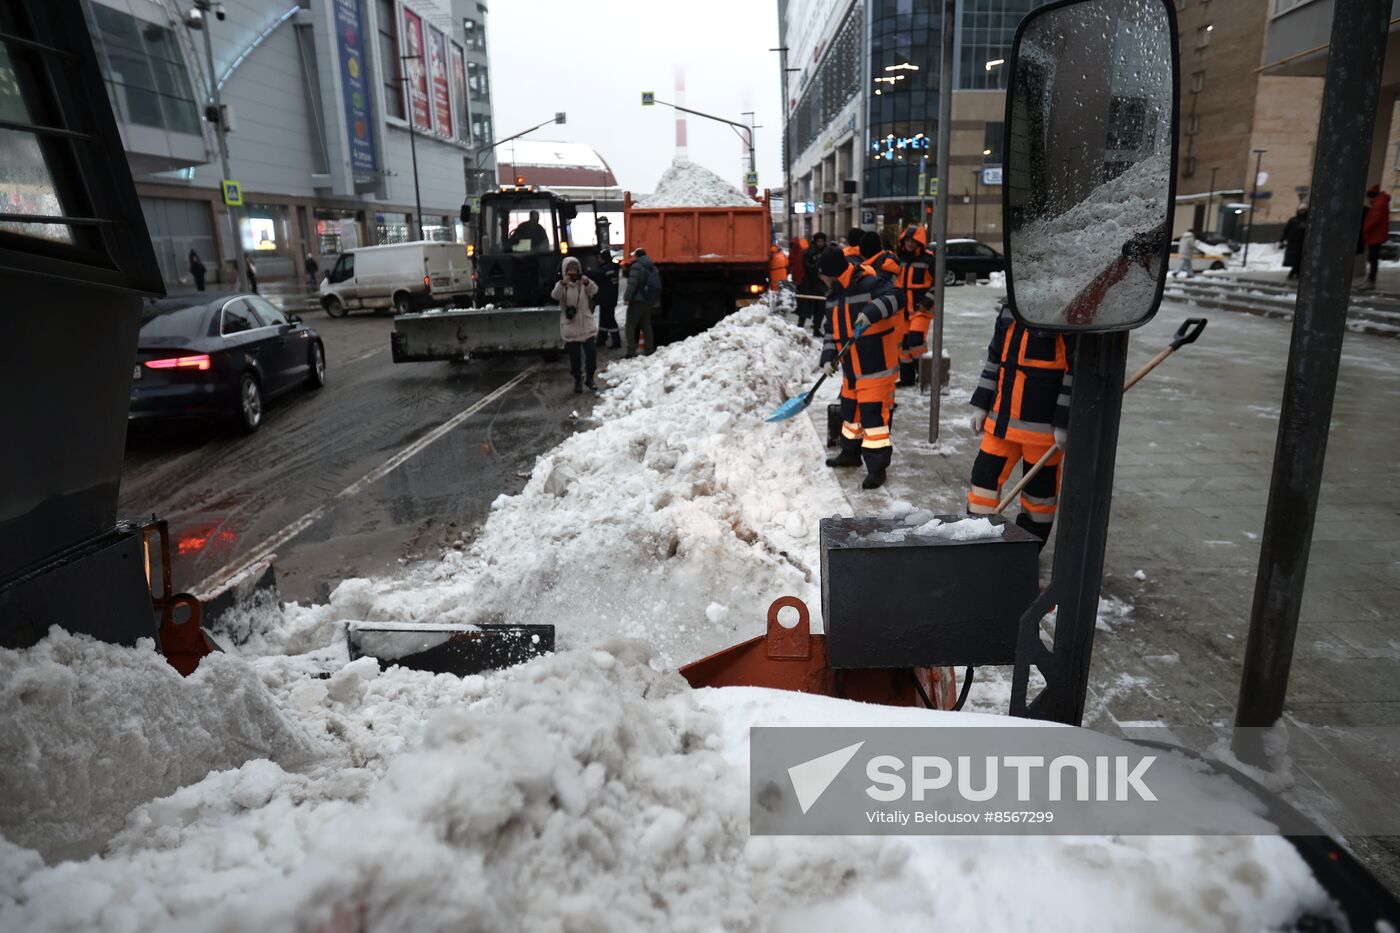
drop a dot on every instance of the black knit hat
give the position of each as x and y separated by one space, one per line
833 262
870 244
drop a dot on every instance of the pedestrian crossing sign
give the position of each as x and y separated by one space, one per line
751 179
233 193
648 98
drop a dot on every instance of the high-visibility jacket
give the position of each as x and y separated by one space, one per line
777 268
886 265
916 274
860 291
1026 382
852 252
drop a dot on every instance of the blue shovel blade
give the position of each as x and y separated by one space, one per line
789 409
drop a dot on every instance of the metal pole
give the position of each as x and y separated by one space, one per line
1210 197
233 224
1349 101
976 189
940 210
1253 205
787 146
413 152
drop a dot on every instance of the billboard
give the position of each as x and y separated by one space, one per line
416 71
354 90
442 94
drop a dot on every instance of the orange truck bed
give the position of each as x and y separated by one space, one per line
699 236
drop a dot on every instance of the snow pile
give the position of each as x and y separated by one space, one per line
924 524
678 519
1058 256
92 730
686 184
588 791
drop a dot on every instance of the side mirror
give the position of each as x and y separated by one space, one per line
1090 163
293 319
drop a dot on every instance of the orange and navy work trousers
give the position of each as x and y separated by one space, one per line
993 467
867 396
915 341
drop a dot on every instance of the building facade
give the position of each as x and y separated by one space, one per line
322 94
862 112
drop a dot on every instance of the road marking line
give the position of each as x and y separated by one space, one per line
363 356
211 584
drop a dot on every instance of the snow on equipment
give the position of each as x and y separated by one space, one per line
793 658
798 403
448 648
1189 330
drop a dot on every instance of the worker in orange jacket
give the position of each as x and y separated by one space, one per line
852 248
1021 409
777 267
916 285
881 261
858 298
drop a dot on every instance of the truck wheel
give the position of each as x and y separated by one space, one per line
249 407
403 304
334 307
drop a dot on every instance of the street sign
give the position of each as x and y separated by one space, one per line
867 218
923 185
648 98
933 187
991 175
751 179
233 193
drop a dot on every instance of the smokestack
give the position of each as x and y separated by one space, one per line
681 151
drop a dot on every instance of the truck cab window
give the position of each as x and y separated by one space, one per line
524 226
344 268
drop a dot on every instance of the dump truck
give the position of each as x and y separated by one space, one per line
712 260
523 234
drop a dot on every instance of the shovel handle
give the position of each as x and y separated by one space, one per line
1026 478
1189 330
839 357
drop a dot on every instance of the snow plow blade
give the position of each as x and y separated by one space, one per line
459 333
448 648
795 659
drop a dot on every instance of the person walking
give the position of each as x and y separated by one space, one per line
1186 248
1291 241
858 299
1375 230
813 308
577 325
197 270
252 273
606 278
916 286
311 270
1021 409
643 295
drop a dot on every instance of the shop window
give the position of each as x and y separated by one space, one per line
389 65
477 81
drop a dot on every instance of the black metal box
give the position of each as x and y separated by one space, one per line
833 425
893 598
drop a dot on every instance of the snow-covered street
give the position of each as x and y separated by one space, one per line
588 790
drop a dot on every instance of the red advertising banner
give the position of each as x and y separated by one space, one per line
442 100
416 71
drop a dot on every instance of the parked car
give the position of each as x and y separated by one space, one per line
1207 257
403 277
221 358
966 256
1222 244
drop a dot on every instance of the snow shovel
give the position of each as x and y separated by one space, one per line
798 403
1189 330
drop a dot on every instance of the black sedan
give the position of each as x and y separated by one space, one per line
966 256
221 357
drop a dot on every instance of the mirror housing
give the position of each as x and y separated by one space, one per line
294 319
1089 163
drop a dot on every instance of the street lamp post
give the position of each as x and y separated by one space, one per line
746 134
787 142
1253 205
559 117
940 210
413 147
198 18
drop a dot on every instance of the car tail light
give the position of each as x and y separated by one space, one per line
198 361
428 283
755 289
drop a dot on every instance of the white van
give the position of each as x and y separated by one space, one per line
402 276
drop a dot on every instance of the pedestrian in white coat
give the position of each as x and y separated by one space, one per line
577 323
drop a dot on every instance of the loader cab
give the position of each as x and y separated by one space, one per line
524 234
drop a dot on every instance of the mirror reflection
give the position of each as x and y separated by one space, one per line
1089 164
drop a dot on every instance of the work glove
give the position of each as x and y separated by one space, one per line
1062 438
862 322
829 367
978 420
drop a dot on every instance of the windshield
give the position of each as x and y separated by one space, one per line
519 226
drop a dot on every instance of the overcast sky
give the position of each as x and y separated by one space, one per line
593 60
